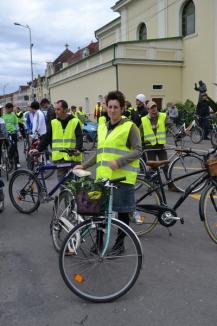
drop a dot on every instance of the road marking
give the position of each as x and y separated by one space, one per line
197 196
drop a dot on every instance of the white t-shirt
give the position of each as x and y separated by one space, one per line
38 124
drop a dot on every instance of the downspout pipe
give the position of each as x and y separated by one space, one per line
116 67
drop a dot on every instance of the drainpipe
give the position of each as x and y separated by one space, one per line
116 67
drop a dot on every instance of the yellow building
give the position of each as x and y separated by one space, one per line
156 47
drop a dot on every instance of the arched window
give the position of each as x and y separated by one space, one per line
142 32
188 18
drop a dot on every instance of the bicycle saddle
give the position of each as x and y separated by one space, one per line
81 173
157 164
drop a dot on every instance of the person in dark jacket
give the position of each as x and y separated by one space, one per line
48 111
203 111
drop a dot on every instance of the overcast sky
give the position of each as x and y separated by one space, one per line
53 23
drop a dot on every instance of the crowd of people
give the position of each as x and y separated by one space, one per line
123 132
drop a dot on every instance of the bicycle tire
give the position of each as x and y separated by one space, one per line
182 165
142 171
30 192
208 211
214 138
148 221
104 279
6 166
64 206
196 135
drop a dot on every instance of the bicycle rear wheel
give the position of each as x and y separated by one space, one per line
95 278
214 138
64 218
6 165
196 135
182 165
208 211
24 191
144 222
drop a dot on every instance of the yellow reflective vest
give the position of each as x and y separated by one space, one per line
149 135
19 118
62 139
102 120
112 147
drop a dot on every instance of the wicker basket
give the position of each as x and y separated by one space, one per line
212 167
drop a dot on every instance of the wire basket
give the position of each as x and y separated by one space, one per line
91 198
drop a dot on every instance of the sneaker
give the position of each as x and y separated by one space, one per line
18 165
137 218
117 249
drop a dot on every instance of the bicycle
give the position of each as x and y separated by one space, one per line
33 161
193 130
34 190
151 202
6 166
90 272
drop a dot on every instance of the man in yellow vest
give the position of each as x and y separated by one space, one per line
65 133
153 132
98 110
118 150
20 118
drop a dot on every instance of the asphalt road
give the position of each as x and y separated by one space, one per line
177 286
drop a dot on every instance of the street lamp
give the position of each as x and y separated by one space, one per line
3 88
31 45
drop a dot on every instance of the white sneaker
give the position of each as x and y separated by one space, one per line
137 218
18 165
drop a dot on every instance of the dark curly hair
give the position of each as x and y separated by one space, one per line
116 95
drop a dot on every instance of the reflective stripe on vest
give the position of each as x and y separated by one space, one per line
63 139
149 136
112 147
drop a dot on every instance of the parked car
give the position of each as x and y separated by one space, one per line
89 135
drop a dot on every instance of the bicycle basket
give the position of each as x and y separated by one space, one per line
91 199
212 166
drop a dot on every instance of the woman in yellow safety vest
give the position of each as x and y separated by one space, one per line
118 150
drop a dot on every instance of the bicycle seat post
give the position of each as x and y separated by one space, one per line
161 185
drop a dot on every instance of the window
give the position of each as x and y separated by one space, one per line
157 87
188 18
142 32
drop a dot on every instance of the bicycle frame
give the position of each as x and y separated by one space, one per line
41 169
154 209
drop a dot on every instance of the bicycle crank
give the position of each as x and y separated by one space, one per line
168 217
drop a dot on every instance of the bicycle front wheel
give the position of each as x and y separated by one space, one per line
96 278
64 218
183 165
214 138
196 135
24 191
208 211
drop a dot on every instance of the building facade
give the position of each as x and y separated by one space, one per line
156 47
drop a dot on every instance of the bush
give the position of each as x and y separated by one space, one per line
186 111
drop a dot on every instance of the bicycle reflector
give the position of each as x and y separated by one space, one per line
78 278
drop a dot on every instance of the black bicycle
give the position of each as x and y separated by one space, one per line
151 202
